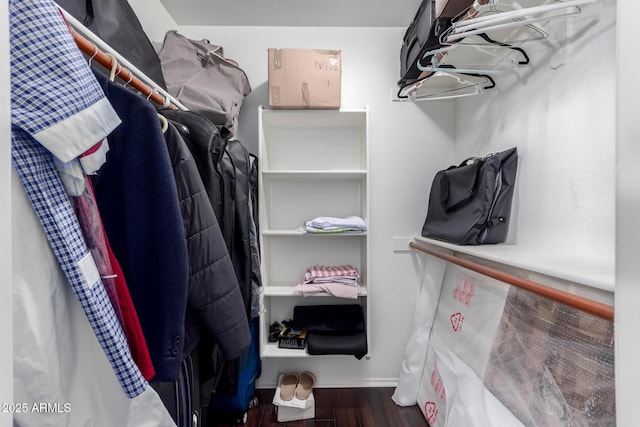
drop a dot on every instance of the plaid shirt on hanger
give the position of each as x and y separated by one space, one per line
58 109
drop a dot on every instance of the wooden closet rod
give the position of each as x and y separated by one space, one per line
102 58
580 303
131 75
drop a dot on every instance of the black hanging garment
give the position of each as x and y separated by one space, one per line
235 166
225 168
115 22
230 180
422 35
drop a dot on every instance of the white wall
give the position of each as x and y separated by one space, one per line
563 123
154 18
6 324
408 143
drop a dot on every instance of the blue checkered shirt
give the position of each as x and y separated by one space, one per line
58 109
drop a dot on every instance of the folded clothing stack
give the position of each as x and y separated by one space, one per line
333 329
329 224
345 274
339 281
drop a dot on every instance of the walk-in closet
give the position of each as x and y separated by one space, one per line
259 213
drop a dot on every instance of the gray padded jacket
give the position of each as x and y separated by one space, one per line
214 304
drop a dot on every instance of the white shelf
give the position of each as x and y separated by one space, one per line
297 232
286 291
315 174
272 350
598 273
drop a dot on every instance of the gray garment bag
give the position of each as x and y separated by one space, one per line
201 78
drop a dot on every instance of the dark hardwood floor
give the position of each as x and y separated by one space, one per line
355 407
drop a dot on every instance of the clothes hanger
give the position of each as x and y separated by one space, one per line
164 122
115 67
163 119
483 19
492 17
490 9
474 59
95 53
441 85
115 71
486 56
512 35
128 81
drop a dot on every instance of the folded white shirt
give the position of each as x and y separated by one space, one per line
329 223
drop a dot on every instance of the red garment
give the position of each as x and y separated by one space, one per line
112 278
132 328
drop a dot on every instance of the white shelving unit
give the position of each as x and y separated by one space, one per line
312 163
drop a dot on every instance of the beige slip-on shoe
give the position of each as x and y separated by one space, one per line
288 385
305 384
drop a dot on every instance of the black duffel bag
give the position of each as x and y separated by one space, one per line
115 22
470 203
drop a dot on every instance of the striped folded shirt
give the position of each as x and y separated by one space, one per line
344 274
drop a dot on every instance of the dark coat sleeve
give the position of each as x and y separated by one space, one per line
214 294
138 202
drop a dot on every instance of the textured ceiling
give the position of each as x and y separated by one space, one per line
320 13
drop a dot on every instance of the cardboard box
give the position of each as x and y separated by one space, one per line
288 413
294 409
305 78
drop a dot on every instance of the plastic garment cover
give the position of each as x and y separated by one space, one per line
112 277
60 370
452 394
415 355
451 391
553 365
501 356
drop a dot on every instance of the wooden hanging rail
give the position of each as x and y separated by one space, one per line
580 303
131 75
102 58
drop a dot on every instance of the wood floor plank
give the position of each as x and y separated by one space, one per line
355 407
342 404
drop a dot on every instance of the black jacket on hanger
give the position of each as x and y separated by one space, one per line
225 168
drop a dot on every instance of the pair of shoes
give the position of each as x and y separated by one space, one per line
298 385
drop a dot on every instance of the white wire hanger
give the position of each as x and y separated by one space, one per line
474 59
493 17
486 37
445 85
